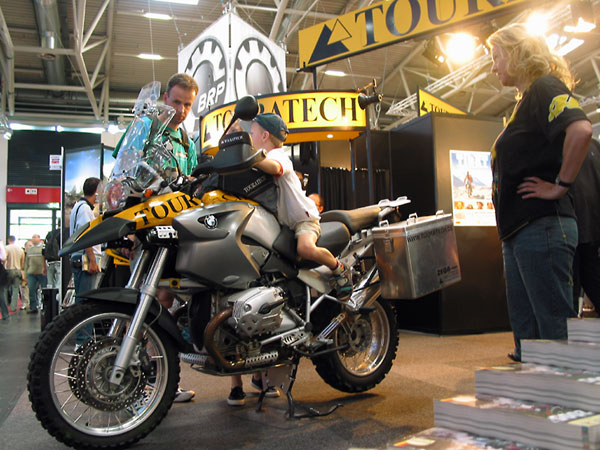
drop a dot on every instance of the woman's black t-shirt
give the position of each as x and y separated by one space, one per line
532 145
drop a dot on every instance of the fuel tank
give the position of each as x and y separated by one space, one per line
225 243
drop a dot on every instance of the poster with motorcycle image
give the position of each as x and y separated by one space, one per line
471 175
229 60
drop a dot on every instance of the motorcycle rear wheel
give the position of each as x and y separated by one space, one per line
68 378
372 340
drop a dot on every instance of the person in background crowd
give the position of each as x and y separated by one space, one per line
586 199
15 258
535 160
84 263
35 269
24 289
3 284
51 248
318 201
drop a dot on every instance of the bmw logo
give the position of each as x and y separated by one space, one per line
210 222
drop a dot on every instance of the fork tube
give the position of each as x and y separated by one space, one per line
138 270
307 304
131 338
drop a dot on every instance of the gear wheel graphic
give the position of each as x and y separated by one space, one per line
255 70
208 66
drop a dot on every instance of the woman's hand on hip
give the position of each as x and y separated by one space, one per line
534 187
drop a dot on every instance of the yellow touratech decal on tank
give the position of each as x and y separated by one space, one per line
156 211
560 103
159 210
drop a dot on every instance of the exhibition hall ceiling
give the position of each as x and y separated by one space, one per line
85 68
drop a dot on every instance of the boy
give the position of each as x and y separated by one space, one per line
294 208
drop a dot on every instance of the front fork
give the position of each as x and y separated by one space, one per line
147 295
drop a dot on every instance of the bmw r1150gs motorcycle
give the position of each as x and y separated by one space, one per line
105 371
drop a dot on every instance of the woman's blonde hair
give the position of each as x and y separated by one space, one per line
529 57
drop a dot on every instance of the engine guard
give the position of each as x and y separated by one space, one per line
124 295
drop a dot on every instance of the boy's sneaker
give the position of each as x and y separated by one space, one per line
343 281
271 391
183 395
236 397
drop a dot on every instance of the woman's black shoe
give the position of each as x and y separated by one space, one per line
514 357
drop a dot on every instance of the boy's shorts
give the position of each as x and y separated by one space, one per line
308 227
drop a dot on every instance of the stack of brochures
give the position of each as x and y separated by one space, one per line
573 388
536 424
584 330
445 439
572 354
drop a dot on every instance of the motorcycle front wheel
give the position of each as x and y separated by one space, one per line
370 341
69 372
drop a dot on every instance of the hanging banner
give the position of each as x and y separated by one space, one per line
430 103
229 60
387 22
309 115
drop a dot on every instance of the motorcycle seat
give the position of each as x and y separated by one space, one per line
334 237
354 219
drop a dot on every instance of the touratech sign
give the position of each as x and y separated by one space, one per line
430 103
387 22
310 116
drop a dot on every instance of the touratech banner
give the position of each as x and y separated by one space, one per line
387 22
310 116
430 103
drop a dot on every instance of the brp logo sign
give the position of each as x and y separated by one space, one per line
208 66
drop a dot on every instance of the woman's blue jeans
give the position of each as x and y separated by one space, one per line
538 263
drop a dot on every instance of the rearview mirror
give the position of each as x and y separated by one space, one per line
246 108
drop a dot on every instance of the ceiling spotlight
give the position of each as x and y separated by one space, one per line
150 56
335 73
537 24
460 48
183 2
433 52
157 16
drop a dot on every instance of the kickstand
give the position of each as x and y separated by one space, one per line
310 412
261 397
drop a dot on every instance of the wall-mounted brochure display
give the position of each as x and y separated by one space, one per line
472 188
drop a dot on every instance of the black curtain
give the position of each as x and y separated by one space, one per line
337 187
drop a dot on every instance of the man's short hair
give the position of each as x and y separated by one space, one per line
183 80
11 239
90 186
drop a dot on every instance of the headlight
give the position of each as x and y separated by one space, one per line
114 195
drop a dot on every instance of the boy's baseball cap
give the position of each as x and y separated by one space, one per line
273 124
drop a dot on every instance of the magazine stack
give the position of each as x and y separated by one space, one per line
551 400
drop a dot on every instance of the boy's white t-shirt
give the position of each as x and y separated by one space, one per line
293 206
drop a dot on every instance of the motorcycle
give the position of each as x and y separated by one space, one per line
105 371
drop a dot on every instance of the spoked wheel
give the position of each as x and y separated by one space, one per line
69 374
370 342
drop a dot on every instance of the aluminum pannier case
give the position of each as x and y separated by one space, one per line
417 256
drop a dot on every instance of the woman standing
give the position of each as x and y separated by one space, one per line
534 161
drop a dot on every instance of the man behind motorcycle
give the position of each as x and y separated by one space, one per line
180 95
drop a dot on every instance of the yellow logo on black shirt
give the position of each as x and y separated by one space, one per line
560 103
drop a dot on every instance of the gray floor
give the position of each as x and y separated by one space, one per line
426 367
